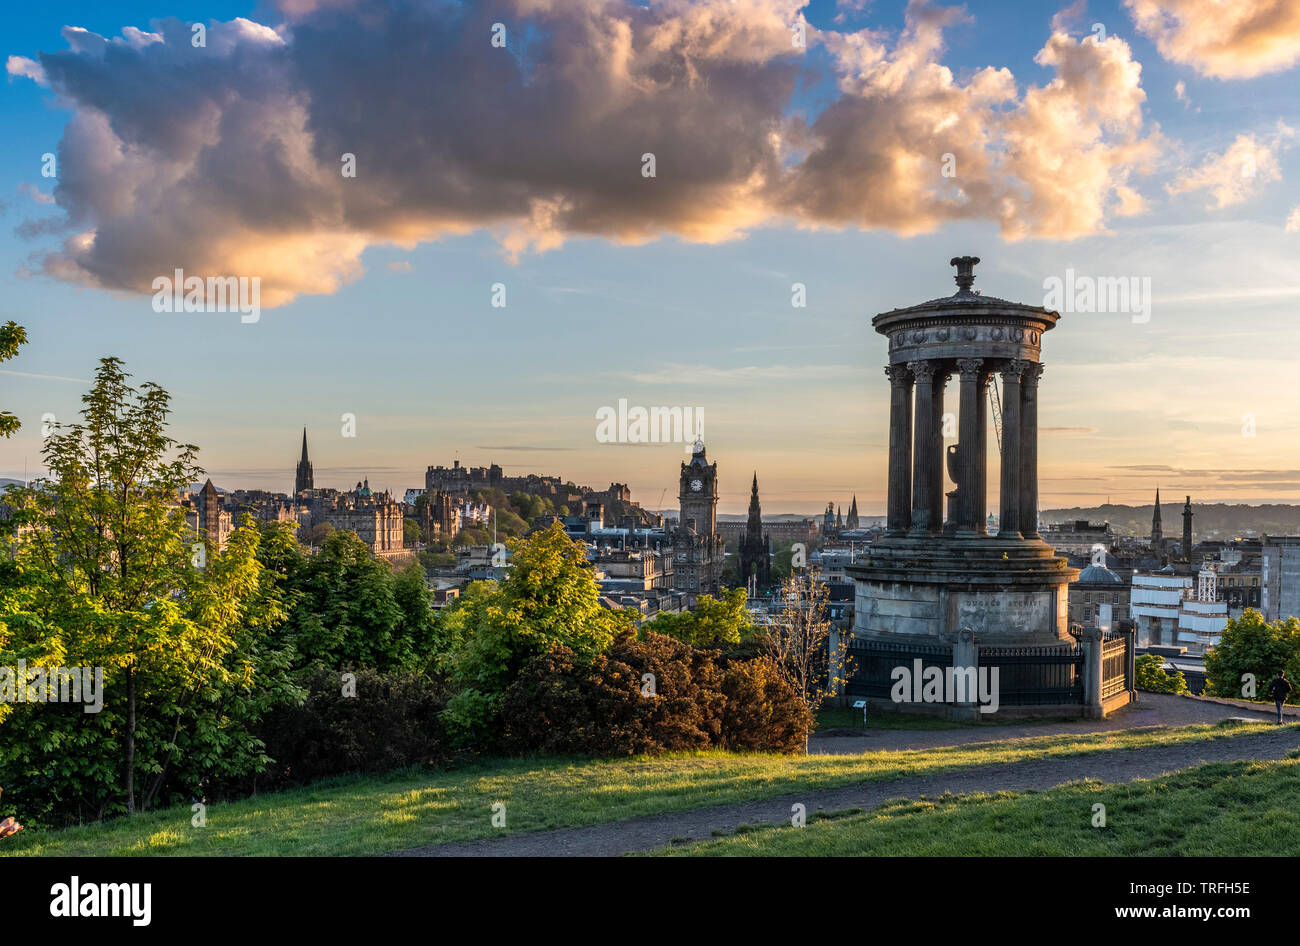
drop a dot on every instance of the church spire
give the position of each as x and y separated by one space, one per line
1157 534
755 552
853 513
303 479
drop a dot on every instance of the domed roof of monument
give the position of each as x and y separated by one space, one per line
1099 574
965 296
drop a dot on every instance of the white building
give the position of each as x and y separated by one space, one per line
1169 610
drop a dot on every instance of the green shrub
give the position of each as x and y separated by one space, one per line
393 721
1151 676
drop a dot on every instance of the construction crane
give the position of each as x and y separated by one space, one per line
995 400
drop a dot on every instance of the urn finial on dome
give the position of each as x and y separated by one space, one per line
965 271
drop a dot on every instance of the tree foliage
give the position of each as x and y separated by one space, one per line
1152 676
348 607
12 337
549 596
107 574
715 622
1251 645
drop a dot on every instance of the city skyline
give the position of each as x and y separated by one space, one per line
382 308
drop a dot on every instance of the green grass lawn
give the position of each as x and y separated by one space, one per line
358 816
1246 809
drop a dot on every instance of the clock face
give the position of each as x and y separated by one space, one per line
697 485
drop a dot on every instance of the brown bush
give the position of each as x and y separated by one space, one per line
761 712
559 706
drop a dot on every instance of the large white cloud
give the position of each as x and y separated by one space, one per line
1227 39
225 159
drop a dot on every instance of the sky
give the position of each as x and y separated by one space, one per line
1145 139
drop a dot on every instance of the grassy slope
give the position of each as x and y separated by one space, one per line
411 809
1223 809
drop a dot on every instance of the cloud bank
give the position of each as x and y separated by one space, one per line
227 158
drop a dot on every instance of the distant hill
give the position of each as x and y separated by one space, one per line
1210 521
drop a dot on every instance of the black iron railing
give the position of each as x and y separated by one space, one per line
1035 676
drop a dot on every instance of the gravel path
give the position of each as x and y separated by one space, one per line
645 834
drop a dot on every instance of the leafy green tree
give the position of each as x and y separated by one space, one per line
12 336
1251 645
107 574
715 622
411 534
349 608
548 596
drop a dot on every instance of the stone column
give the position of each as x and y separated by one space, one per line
936 432
1009 506
1029 451
968 440
980 495
900 449
925 464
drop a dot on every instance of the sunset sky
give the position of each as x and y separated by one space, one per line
1160 143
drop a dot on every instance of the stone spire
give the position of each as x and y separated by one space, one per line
1187 530
853 513
755 555
303 479
1157 534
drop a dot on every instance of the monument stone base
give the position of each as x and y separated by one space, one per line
1007 591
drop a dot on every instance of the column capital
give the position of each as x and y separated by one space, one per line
1014 370
969 368
922 371
899 374
1033 371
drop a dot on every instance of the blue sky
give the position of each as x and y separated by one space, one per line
408 341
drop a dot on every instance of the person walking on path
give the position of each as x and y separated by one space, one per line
1279 689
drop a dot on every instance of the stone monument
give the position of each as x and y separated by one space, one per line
927 579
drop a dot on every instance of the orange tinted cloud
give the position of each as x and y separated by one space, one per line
1239 39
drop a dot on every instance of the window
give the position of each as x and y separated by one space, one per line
1087 614
1114 598
1254 583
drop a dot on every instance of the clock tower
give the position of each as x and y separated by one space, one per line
698 550
699 492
